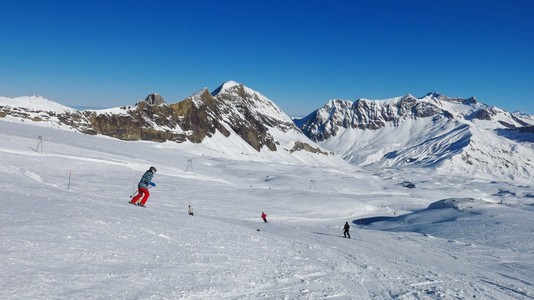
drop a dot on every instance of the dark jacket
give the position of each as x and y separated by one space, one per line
147 177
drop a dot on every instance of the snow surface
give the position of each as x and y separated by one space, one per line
34 103
68 231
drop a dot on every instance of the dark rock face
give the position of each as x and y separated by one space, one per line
158 122
299 146
154 99
482 114
239 110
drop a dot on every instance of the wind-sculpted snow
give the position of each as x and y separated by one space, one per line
432 150
68 231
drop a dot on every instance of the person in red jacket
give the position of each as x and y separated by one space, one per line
264 217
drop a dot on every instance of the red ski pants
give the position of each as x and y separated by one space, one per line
141 192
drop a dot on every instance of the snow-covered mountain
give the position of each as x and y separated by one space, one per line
244 121
432 131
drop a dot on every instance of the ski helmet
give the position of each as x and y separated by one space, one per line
153 169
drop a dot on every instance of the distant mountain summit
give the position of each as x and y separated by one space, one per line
432 131
232 107
154 99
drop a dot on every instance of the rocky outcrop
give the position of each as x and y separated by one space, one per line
299 146
154 99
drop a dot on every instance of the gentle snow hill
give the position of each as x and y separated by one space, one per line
34 103
69 233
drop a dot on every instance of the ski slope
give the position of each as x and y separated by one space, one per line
78 238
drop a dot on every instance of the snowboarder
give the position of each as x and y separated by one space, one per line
346 230
143 187
264 217
190 210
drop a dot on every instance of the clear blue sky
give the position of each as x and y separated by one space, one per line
299 54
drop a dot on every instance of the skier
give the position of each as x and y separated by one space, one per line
264 217
346 230
190 210
143 187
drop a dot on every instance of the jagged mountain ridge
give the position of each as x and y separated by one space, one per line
233 111
376 114
431 131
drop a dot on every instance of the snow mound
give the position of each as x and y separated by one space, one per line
443 213
458 203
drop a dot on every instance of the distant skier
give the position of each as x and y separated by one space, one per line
145 181
264 217
346 230
190 210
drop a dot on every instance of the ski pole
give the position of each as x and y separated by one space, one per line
134 194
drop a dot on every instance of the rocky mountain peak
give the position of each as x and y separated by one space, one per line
154 99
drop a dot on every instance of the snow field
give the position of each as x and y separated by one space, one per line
88 242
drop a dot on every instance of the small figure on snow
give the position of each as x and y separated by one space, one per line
346 230
145 181
190 210
264 217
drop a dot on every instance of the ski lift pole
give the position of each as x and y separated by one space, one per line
70 173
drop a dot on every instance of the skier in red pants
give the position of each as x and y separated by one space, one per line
143 187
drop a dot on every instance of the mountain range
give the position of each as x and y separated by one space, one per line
432 132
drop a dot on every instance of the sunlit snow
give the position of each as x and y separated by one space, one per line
68 231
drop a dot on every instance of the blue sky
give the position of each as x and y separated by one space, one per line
299 54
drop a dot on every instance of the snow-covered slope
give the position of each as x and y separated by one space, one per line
69 233
433 131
